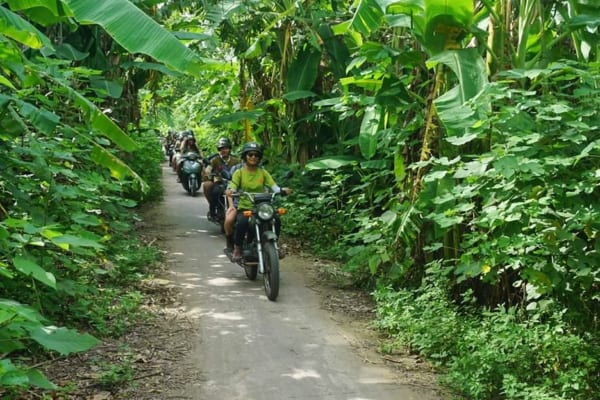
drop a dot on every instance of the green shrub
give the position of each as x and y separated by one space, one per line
499 354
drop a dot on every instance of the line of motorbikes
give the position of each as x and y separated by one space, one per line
192 164
261 251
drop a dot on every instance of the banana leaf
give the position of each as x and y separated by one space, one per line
136 32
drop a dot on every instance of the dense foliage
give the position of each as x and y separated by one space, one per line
448 150
75 164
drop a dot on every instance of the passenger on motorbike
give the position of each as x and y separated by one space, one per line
222 163
251 177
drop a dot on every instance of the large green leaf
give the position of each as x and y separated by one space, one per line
470 71
43 12
66 241
21 311
28 266
38 379
136 32
446 22
405 14
223 10
336 49
62 340
367 17
333 162
15 27
368 138
304 70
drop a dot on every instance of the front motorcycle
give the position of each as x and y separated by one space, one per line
261 248
190 172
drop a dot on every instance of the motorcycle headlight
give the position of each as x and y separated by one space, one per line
265 211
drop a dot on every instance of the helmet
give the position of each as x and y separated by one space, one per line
251 146
223 142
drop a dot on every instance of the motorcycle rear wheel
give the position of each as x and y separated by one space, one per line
271 274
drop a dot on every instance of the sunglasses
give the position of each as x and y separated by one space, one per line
253 155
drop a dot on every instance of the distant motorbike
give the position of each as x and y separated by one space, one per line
171 152
190 172
175 157
261 252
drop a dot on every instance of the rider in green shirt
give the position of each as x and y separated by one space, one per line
251 177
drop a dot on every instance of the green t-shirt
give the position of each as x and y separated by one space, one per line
253 182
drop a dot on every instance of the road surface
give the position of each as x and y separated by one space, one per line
250 348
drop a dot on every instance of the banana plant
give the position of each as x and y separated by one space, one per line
129 26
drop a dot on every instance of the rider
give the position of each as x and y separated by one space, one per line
188 145
251 177
219 164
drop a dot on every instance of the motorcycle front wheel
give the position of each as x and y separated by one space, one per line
271 274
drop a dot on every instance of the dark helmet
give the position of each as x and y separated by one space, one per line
251 146
223 142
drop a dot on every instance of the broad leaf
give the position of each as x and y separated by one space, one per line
446 23
369 127
43 12
66 241
330 162
111 88
336 49
15 27
22 311
304 70
136 32
367 17
63 340
470 70
38 379
399 168
28 266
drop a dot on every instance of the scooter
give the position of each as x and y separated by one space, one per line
190 172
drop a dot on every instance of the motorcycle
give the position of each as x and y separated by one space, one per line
260 250
191 172
171 152
218 216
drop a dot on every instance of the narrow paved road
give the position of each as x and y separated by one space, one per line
249 347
